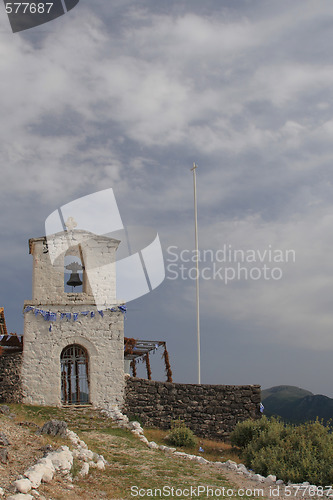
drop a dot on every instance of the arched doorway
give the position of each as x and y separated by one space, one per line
74 375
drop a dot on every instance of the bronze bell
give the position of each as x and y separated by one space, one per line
74 280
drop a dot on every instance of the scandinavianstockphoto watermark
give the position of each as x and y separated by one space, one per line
228 263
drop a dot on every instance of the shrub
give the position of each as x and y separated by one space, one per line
248 430
292 453
270 435
180 435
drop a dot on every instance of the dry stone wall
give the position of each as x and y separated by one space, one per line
10 378
209 410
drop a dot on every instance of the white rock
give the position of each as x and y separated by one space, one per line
61 460
257 477
270 479
180 454
202 460
48 474
228 462
22 485
136 432
220 464
100 465
35 493
83 444
35 474
74 441
279 481
135 425
242 468
72 435
84 470
20 496
85 454
143 439
2 492
152 445
46 461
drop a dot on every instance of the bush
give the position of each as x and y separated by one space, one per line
248 430
270 435
292 453
180 435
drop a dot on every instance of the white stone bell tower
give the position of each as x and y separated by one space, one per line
73 337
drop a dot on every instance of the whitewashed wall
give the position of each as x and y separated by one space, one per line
103 337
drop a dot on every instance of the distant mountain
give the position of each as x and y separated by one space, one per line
296 405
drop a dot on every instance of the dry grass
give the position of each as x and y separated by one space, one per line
130 462
214 451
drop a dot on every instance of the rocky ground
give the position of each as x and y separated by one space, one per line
130 460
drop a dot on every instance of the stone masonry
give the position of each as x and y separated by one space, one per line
10 378
101 336
209 410
99 277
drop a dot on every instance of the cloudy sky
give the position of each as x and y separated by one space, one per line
127 94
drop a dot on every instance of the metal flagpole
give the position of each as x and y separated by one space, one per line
193 169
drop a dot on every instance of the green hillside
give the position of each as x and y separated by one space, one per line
296 405
285 392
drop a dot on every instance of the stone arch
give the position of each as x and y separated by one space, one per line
74 361
77 339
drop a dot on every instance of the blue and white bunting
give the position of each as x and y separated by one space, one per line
53 316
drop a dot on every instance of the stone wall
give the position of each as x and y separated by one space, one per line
10 378
209 410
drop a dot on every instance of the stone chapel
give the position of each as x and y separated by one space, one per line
74 349
73 325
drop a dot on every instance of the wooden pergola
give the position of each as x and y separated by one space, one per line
135 349
9 342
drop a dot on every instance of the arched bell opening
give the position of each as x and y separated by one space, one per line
74 375
74 275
